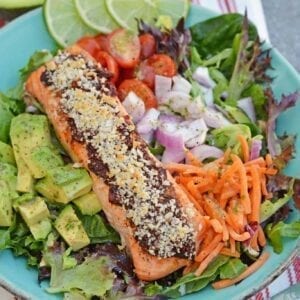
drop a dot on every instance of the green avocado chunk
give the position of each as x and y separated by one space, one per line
71 229
8 173
7 154
6 212
64 184
34 211
31 140
88 204
41 229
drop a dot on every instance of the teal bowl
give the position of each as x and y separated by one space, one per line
27 34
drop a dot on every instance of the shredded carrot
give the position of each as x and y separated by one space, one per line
271 171
192 159
174 167
244 186
232 245
209 248
269 160
192 199
263 184
203 265
226 155
258 161
250 270
228 252
191 267
245 147
216 225
225 232
208 238
255 195
239 237
261 237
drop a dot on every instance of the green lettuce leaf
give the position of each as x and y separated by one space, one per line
233 268
100 278
276 232
269 207
212 36
98 230
69 262
227 137
19 239
188 283
35 61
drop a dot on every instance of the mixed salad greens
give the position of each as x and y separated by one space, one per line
188 91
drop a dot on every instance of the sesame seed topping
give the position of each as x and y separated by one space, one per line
120 157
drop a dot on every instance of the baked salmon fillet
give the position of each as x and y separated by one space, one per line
158 224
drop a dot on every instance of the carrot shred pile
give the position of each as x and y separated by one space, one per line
228 192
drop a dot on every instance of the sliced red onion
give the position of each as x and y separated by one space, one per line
163 85
148 124
134 106
180 84
246 104
201 75
195 108
208 96
174 144
214 119
167 118
177 101
256 146
205 151
193 132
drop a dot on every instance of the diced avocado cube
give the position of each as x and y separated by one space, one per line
41 229
22 199
34 211
8 173
25 180
71 229
7 154
6 212
44 159
64 184
88 204
29 132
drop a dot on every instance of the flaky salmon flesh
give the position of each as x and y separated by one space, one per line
157 223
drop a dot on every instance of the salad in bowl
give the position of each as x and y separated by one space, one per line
140 159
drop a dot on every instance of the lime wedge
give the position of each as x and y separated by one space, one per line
95 14
176 9
126 12
64 23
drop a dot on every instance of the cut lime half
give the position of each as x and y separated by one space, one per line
127 12
176 9
64 22
14 4
95 14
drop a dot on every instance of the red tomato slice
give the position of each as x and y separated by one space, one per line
124 47
157 64
140 89
101 39
148 45
89 44
108 63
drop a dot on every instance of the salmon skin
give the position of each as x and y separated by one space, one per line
157 223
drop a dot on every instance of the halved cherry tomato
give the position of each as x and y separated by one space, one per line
108 63
89 44
140 89
124 46
148 45
157 64
101 39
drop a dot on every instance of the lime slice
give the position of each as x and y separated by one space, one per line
176 9
126 12
14 4
95 14
64 23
